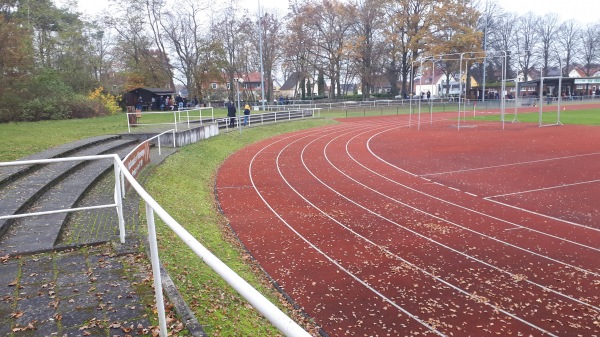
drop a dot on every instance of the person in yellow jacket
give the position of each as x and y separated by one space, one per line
246 113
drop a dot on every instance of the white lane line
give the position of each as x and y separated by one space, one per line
330 259
472 210
511 164
457 225
544 188
542 215
468 295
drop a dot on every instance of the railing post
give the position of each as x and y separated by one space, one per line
119 199
160 304
175 119
159 145
128 124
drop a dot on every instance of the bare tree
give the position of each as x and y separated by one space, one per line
526 40
568 43
227 27
298 56
590 37
181 32
502 38
547 32
147 66
365 46
270 25
330 21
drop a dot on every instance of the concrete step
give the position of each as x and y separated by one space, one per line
40 233
9 174
17 196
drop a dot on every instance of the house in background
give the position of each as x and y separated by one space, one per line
438 85
291 87
435 84
380 85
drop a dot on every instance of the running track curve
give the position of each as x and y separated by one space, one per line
377 229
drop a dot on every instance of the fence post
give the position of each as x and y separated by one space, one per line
159 145
175 119
118 199
160 304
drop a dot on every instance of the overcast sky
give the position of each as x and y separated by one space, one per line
583 11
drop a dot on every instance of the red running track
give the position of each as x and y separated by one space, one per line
377 229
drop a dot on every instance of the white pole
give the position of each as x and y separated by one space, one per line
541 99
459 89
160 304
421 89
119 201
410 95
432 86
239 112
558 101
262 80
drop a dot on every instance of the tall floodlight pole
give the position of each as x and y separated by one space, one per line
485 54
262 71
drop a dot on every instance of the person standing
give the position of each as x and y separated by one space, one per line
246 113
140 103
231 110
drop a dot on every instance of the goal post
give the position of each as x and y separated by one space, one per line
541 121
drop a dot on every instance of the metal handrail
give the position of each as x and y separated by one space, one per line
280 320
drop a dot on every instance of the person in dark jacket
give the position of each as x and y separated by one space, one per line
231 113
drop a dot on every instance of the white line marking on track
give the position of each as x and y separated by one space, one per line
472 210
467 294
545 188
542 215
512 164
330 259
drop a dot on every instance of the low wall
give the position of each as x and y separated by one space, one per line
182 138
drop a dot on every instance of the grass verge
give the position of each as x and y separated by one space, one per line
580 117
183 185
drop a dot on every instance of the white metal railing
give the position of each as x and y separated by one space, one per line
280 320
190 114
138 114
117 195
140 145
267 117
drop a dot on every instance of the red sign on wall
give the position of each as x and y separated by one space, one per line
137 160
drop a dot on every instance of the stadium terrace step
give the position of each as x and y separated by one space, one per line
51 187
9 174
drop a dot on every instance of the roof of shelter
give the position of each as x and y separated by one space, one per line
157 91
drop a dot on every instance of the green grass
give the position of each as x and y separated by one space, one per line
21 139
580 117
183 185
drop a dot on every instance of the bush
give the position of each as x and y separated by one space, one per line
108 101
46 97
